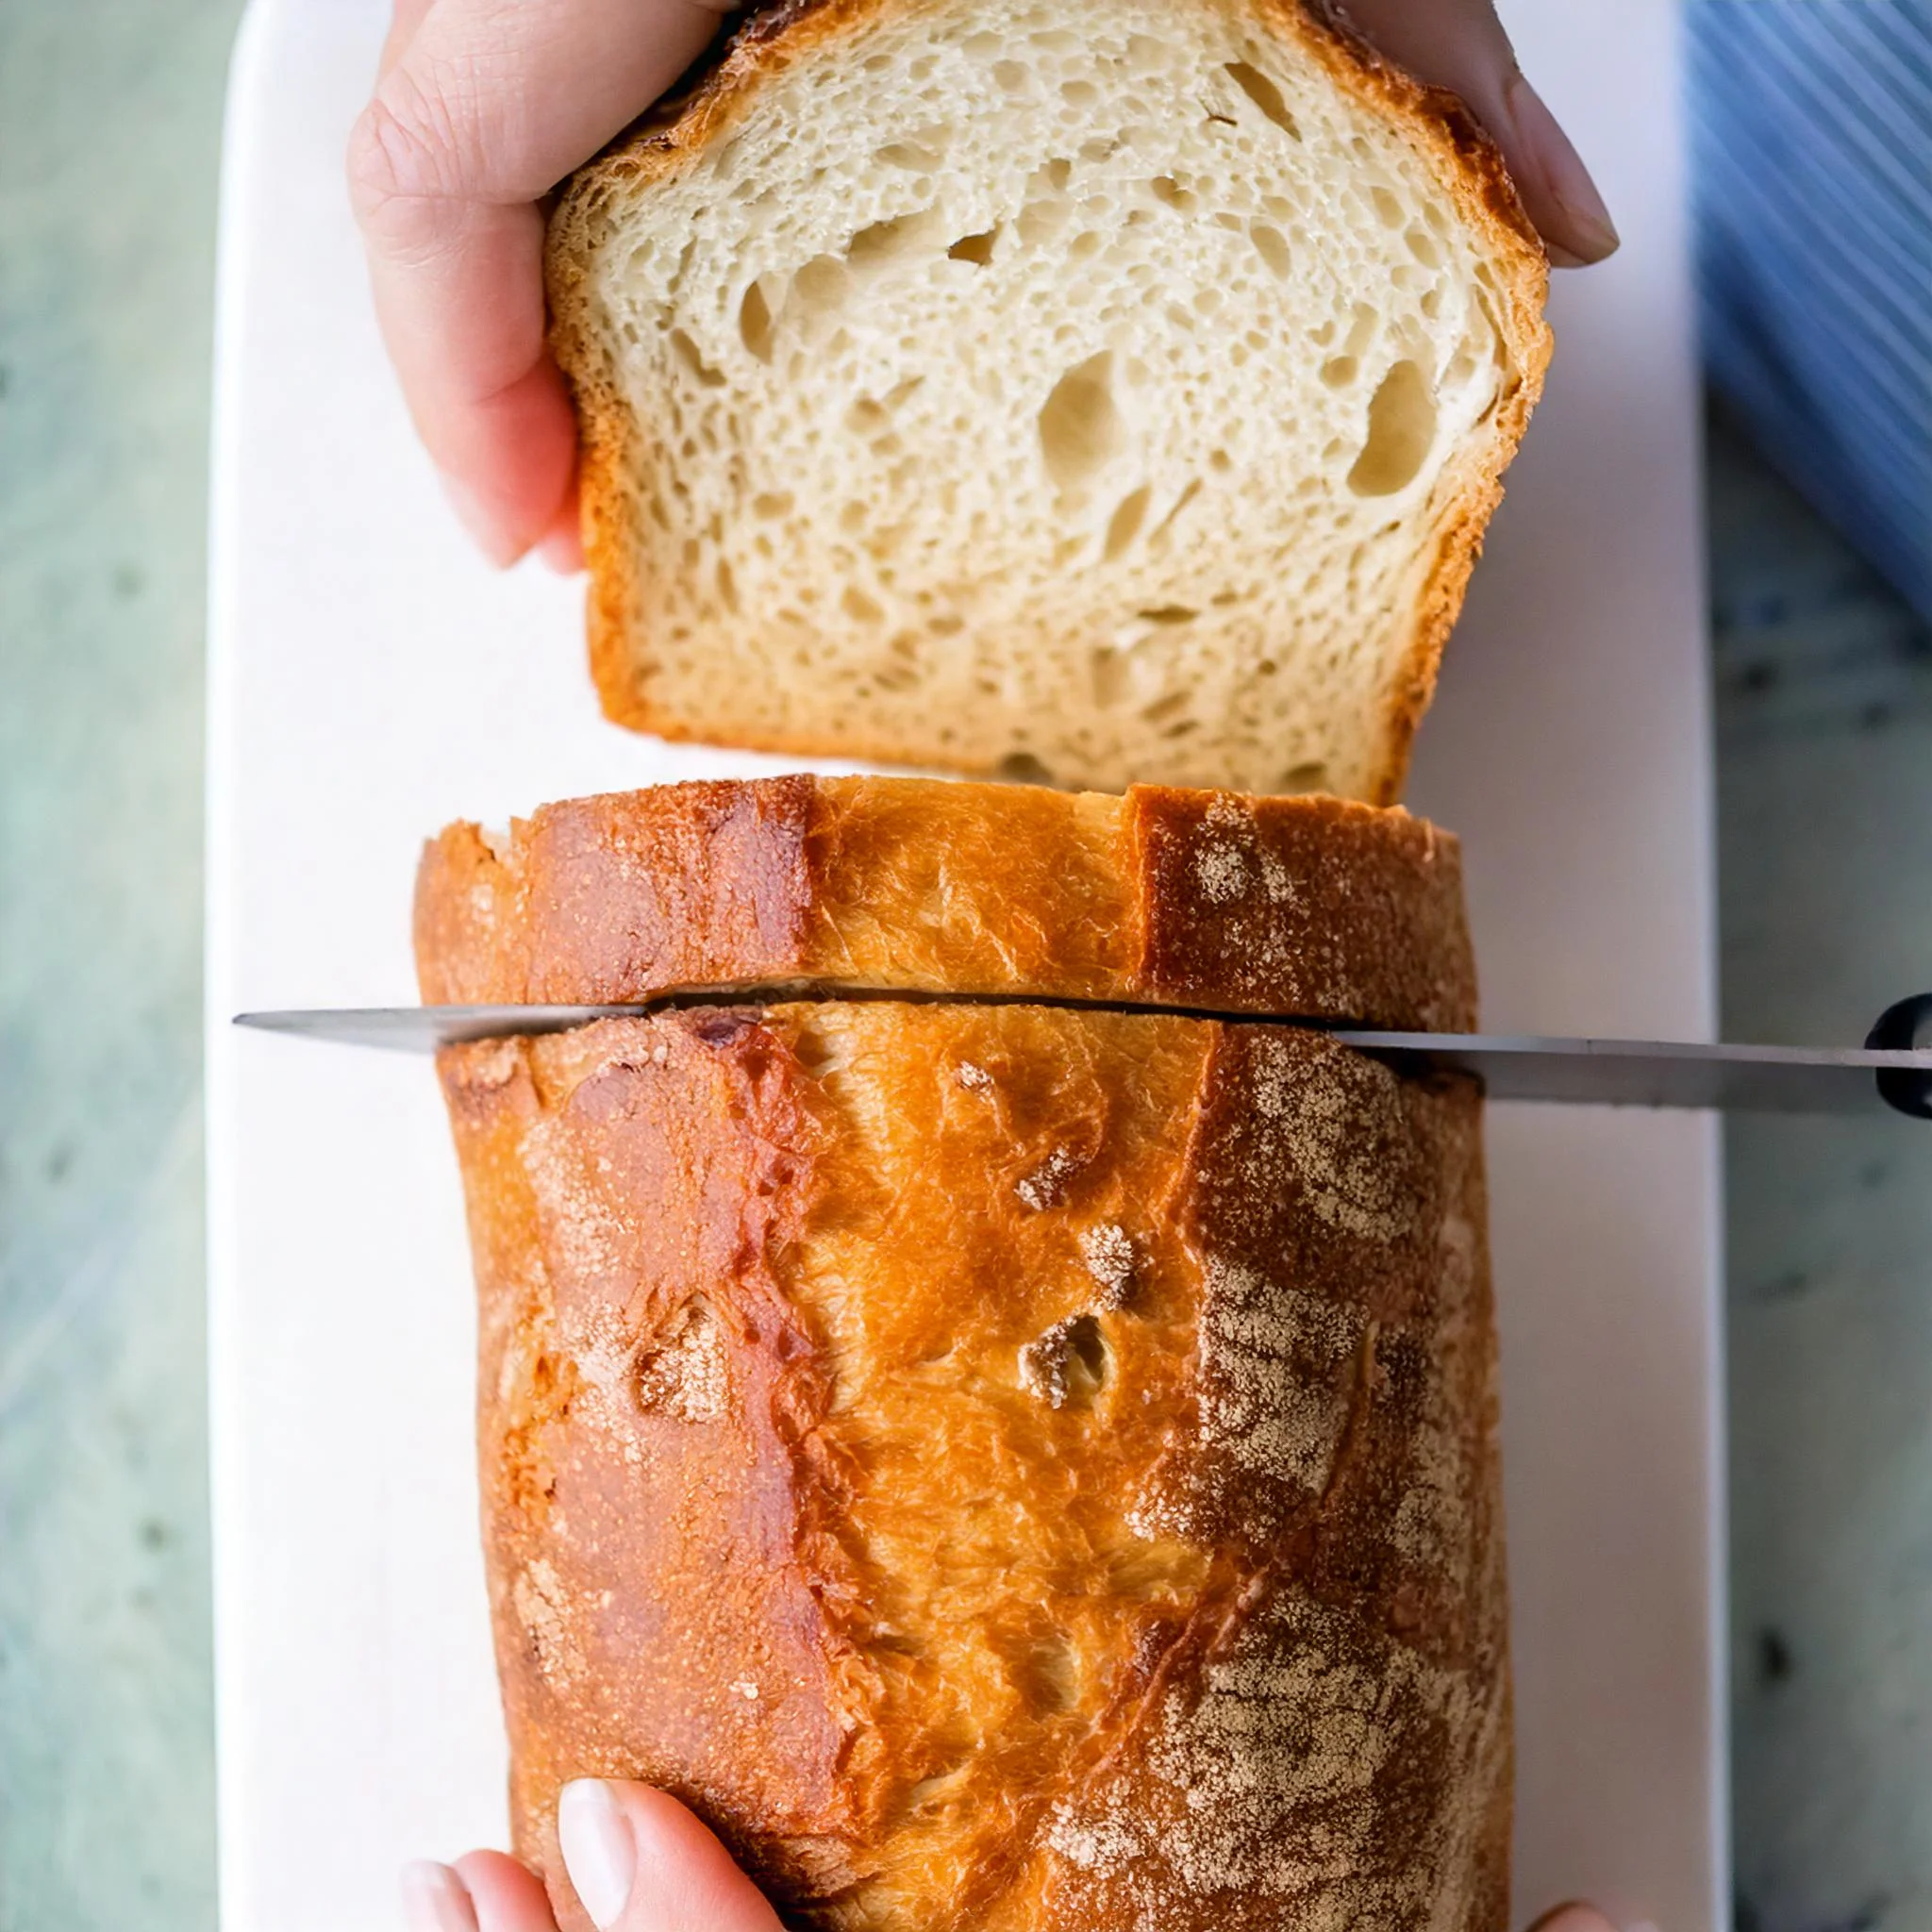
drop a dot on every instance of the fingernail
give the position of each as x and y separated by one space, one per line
1591 233
435 1899
599 1853
488 534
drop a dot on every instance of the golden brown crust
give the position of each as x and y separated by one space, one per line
1466 161
1303 908
1011 1469
1486 197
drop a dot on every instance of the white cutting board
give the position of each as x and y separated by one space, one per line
369 679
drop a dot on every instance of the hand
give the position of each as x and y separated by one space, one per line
641 1862
482 106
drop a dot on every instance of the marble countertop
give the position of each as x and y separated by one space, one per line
110 117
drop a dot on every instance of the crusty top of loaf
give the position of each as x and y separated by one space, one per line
1168 613
1307 908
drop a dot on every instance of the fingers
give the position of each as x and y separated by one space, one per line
641 1862
482 106
1574 1918
483 1893
406 16
1460 44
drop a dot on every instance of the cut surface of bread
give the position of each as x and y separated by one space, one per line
1010 1468
1112 393
1296 907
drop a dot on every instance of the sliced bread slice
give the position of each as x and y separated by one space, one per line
1303 907
1106 393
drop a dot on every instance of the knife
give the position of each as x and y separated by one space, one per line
1890 1070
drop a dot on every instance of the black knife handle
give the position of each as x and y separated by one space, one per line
1901 1028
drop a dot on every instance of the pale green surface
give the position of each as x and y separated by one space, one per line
110 120
109 135
1825 818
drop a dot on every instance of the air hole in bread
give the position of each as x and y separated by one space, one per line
1068 1367
1127 522
901 239
1146 55
1080 427
977 249
910 155
1187 497
1271 245
1401 430
1169 613
822 285
1305 777
1021 767
687 353
1265 95
756 323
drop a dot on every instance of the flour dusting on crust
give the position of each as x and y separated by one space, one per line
1285 1775
1332 1119
1108 1252
1275 1385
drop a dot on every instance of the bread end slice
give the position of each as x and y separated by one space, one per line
1110 406
1305 908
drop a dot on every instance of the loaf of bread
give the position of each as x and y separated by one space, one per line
1111 393
1011 1467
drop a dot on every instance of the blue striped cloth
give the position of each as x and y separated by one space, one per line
1812 139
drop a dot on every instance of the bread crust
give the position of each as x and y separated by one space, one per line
1302 907
1011 1470
1465 160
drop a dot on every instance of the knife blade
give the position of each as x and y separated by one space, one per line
1890 1072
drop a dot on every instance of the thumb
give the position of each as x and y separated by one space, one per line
1460 44
1574 1918
640 1862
